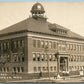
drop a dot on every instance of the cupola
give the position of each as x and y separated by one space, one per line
38 11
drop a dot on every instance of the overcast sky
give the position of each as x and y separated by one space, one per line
67 14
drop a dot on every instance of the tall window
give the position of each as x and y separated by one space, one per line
14 69
7 44
63 47
51 68
39 68
1 46
35 69
54 45
50 57
14 44
22 58
23 43
74 46
34 57
46 43
54 57
42 44
38 57
44 69
42 57
19 43
71 57
59 46
38 43
18 69
50 44
71 46
4 45
34 43
22 69
46 57
54 68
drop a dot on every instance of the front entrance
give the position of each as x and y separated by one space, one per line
63 63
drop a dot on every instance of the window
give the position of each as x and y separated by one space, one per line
50 44
54 68
42 44
59 46
14 69
7 69
83 48
18 59
14 44
47 68
50 57
22 69
35 69
4 69
71 46
42 57
71 57
4 45
74 47
54 57
7 45
23 43
34 57
38 43
15 58
0 69
46 43
39 68
46 57
63 47
18 43
43 68
18 69
51 68
68 47
22 59
34 43
38 57
1 46
74 58
54 45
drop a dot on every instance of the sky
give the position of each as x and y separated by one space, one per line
67 14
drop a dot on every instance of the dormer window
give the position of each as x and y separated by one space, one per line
54 28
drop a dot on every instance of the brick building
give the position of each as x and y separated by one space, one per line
23 47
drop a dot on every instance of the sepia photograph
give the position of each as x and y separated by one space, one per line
41 41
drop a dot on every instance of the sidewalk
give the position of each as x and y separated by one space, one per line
70 79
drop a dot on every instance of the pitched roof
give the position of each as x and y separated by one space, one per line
39 26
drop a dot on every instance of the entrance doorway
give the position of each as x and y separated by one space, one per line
63 63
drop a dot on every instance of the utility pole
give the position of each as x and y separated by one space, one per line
46 50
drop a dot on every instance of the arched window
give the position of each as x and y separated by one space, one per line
42 57
42 44
38 57
34 57
50 44
50 57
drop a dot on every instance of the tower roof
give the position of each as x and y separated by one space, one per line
37 8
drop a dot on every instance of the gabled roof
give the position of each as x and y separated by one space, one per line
39 26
